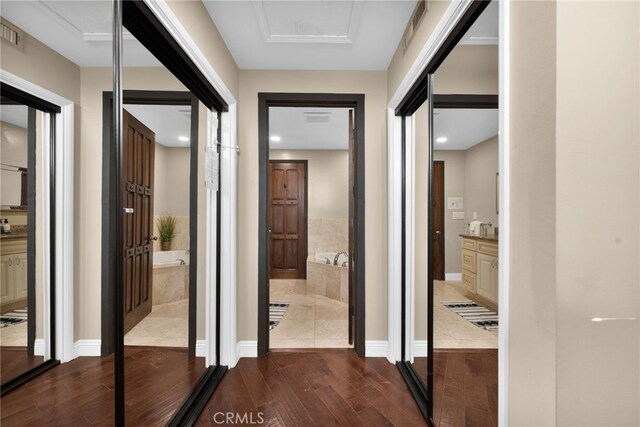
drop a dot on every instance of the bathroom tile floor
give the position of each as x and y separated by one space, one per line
451 330
14 336
166 326
312 321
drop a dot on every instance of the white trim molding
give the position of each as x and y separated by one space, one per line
87 348
247 349
419 348
202 348
64 226
376 349
504 217
453 277
228 188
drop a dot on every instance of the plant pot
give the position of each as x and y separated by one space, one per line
165 246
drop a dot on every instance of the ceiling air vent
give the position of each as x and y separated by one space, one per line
418 13
317 116
12 35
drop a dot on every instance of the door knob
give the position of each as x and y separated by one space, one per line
153 238
127 210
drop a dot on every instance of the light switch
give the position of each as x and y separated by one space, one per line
458 215
455 203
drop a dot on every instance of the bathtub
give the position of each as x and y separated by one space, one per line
331 281
170 276
322 257
163 259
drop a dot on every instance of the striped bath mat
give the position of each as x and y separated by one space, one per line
474 313
277 309
13 318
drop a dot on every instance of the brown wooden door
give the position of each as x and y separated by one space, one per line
137 171
287 219
438 220
352 215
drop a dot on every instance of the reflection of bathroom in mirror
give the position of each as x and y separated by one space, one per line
22 335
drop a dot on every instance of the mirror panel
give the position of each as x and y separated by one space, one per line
24 335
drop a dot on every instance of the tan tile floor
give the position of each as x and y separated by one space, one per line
166 326
312 321
14 336
451 330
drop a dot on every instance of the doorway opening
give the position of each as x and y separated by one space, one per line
309 234
160 158
311 251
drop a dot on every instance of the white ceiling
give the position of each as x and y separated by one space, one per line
309 128
16 115
485 30
78 30
311 34
463 128
167 121
261 34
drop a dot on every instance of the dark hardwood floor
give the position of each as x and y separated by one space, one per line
80 393
14 361
314 388
465 386
287 388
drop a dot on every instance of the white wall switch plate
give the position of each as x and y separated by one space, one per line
458 215
456 203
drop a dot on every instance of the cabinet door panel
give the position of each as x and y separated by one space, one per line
20 267
486 285
6 281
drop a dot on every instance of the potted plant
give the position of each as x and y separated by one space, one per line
167 229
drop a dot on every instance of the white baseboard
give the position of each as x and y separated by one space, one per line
38 347
247 349
201 348
376 348
453 277
420 348
87 348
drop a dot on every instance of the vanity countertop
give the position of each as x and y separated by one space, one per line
488 237
17 235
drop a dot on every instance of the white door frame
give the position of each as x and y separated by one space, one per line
64 262
228 187
450 18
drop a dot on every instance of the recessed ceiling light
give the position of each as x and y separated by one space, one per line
275 138
441 139
183 139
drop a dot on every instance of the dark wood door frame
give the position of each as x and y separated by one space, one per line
305 216
266 100
108 213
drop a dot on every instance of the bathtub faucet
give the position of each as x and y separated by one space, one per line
182 262
335 259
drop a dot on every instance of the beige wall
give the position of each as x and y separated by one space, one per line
598 213
532 276
196 20
454 186
402 61
171 180
373 85
327 180
480 168
468 69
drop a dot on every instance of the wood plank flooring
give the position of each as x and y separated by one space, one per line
15 361
315 388
289 388
465 386
80 393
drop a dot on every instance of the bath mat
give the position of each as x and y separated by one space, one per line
14 317
474 313
277 309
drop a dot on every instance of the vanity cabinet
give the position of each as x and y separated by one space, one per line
480 267
13 275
